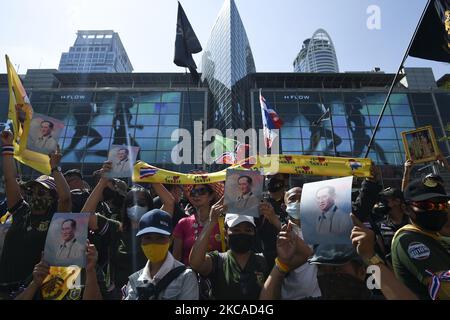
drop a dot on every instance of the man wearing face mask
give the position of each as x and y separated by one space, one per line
239 273
155 229
419 258
46 195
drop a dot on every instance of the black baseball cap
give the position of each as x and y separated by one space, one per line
73 172
334 254
424 189
392 193
155 221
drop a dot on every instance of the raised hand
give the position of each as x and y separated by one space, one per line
268 212
91 257
217 210
40 272
55 157
363 239
7 137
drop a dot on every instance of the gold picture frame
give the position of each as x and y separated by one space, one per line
420 145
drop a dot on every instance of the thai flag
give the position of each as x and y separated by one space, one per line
147 172
270 120
226 158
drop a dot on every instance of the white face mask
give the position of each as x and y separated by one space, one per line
293 210
136 212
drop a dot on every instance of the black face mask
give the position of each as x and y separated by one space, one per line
241 243
108 194
342 286
431 220
275 185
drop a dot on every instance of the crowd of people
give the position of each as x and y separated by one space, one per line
178 242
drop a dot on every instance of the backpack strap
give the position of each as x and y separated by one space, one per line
167 279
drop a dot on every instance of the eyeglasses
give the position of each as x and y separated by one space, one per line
430 205
199 192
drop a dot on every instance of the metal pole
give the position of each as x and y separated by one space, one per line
332 132
369 146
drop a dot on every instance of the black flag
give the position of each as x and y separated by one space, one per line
432 41
186 43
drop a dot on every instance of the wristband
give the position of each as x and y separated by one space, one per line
7 150
281 266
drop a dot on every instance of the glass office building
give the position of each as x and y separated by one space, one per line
96 51
226 62
317 54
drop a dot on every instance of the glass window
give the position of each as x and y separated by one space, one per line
169 120
163 157
403 121
150 97
148 107
344 146
171 108
166 132
290 132
386 121
291 145
375 98
400 110
148 156
193 107
421 98
146 144
171 97
166 144
147 119
147 132
194 97
399 98
290 121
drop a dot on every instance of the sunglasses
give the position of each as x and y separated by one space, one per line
199 192
36 192
430 205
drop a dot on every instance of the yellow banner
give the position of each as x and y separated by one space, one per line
59 281
291 164
20 113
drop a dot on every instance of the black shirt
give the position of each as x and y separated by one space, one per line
24 243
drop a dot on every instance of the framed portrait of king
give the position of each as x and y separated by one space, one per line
420 145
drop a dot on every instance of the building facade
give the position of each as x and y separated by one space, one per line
317 54
96 51
144 110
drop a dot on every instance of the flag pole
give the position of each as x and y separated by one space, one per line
372 139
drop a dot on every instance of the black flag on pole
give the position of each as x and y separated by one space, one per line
186 43
432 41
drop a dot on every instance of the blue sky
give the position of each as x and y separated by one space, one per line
34 33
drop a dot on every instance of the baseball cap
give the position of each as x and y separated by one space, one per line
155 221
392 193
74 172
232 219
45 181
424 189
334 254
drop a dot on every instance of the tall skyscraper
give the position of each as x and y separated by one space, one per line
226 62
317 54
96 51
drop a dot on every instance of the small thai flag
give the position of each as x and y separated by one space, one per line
147 172
270 120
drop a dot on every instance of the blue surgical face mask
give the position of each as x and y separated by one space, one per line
293 210
136 212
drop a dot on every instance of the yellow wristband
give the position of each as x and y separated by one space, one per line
281 266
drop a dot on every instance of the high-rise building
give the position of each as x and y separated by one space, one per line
317 54
226 62
96 51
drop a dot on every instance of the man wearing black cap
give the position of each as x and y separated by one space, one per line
394 217
163 277
419 259
74 179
